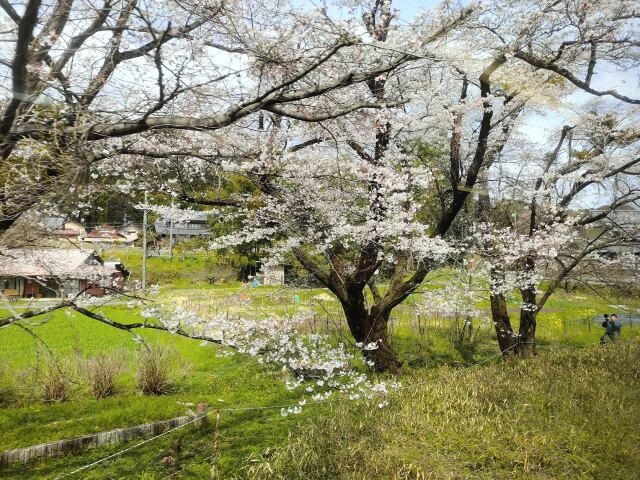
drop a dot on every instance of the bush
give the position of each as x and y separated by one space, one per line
55 381
101 372
156 369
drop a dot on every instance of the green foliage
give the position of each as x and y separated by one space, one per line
187 247
194 267
434 158
243 259
109 206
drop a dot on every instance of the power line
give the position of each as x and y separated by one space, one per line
104 459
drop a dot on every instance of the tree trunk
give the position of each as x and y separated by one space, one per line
528 316
502 323
371 328
527 333
383 357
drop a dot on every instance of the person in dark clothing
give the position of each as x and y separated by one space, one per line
612 328
607 328
616 326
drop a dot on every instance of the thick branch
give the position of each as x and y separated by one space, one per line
319 117
26 27
460 194
584 85
322 276
33 313
223 119
130 327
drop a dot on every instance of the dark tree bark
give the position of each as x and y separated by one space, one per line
370 326
523 343
528 317
383 357
502 323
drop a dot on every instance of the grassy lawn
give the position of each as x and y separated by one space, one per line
565 414
203 376
221 381
247 439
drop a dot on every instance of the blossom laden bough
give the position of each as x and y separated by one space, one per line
317 365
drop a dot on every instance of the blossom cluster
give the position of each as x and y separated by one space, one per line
316 365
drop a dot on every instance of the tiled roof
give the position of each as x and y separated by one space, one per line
73 263
104 234
65 232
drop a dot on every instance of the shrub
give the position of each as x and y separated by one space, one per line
55 381
156 369
101 372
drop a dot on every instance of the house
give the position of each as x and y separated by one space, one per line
107 235
130 232
197 227
66 233
59 227
51 273
72 230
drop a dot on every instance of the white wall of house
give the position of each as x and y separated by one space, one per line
273 275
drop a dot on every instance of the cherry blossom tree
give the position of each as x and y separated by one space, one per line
363 139
380 190
553 237
78 73
347 202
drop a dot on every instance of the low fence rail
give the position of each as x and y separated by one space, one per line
111 437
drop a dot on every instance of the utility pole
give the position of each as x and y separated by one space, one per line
144 245
171 233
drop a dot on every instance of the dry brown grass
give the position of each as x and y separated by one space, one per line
101 372
55 380
571 413
155 369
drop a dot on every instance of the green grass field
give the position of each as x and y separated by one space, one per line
252 442
564 414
